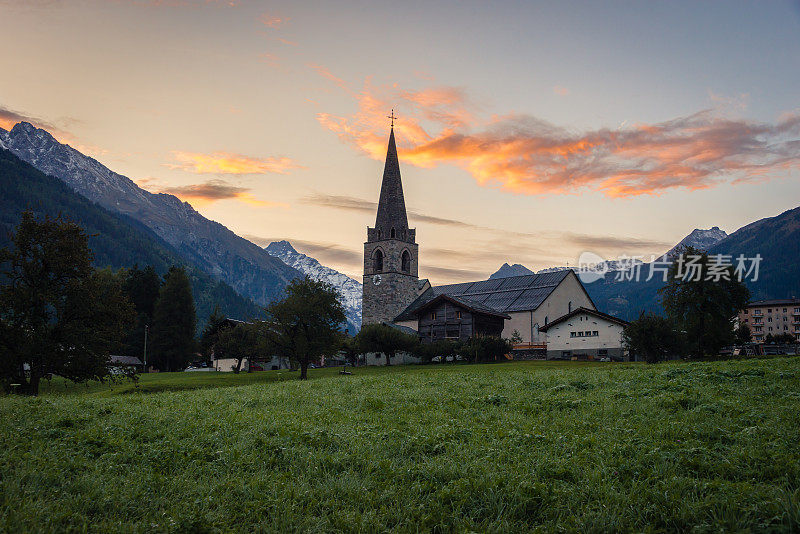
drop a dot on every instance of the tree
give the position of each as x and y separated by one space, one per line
442 348
141 287
381 338
174 322
780 339
304 325
57 314
651 336
350 349
243 341
212 331
700 306
486 348
743 335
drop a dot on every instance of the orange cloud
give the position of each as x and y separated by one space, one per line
213 191
526 155
560 91
227 163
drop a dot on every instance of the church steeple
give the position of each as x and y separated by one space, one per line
392 205
391 254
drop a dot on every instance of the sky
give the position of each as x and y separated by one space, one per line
528 132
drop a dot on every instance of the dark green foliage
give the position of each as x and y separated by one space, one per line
782 338
211 332
743 335
57 314
116 241
701 309
486 348
380 338
304 325
442 348
141 287
174 323
651 337
243 341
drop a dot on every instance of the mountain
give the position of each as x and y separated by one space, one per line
116 240
506 271
775 239
206 244
699 239
347 287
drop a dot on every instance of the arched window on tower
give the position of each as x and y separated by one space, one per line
377 261
393 233
405 263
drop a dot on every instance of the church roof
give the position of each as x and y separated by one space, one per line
515 293
392 205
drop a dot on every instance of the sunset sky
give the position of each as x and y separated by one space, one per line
528 132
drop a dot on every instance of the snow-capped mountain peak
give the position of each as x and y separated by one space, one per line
699 239
349 289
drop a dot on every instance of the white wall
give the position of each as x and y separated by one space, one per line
609 334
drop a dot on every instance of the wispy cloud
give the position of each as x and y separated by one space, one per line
228 163
208 192
271 20
560 90
526 155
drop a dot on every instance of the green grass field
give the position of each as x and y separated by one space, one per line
705 447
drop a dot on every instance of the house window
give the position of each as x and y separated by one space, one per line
572 334
451 332
377 261
595 333
433 316
405 262
458 315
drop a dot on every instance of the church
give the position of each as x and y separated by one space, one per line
393 293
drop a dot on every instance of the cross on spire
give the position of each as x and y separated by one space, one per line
392 116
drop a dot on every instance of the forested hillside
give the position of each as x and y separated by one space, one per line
116 240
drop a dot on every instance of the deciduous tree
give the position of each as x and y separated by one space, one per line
701 299
652 337
304 325
381 338
57 314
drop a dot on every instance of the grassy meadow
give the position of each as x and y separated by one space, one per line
706 447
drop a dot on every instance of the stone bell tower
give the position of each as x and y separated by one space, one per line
391 253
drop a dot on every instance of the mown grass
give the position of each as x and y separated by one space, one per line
707 446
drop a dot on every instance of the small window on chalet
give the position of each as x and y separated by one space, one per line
393 232
377 261
433 316
458 315
405 262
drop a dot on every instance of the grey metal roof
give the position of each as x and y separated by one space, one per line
515 293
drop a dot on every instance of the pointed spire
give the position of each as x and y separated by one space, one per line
392 205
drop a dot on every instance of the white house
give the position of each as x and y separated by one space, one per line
585 332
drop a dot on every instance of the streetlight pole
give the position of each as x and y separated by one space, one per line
144 357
